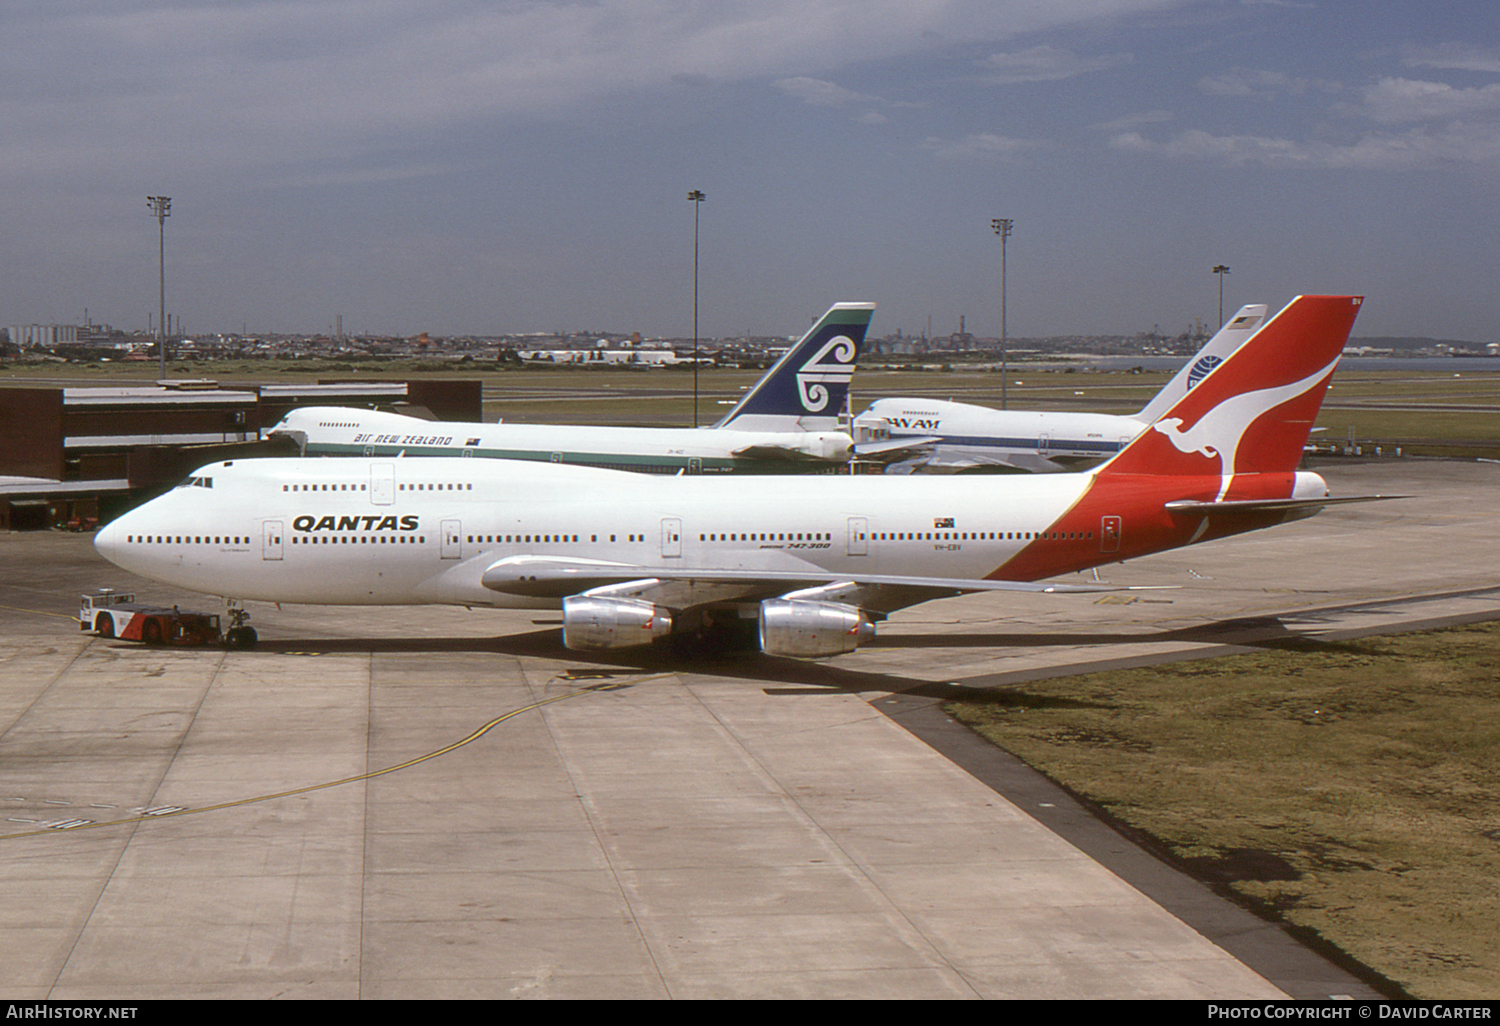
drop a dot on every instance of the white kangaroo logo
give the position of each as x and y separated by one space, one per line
1220 430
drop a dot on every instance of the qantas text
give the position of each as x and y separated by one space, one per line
360 523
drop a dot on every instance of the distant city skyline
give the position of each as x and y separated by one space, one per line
479 168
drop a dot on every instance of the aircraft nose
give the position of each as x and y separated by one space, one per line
107 541
110 540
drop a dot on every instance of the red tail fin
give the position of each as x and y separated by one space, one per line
1251 415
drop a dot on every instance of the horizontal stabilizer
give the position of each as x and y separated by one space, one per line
1269 505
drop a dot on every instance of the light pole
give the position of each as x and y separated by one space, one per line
161 206
697 197
1002 227
1221 270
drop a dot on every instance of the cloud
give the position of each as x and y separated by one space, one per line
1262 84
820 93
1419 148
1456 57
983 146
1045 64
1133 121
1393 100
246 85
1451 125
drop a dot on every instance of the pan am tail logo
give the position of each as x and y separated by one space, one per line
816 375
1201 369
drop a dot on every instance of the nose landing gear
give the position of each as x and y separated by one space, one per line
239 634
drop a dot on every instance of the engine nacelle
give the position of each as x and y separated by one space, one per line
812 630
592 623
834 446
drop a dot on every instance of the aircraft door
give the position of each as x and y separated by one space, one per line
695 465
382 483
1043 443
452 547
671 537
1109 534
270 539
858 530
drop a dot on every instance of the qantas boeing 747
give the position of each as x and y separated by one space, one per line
808 565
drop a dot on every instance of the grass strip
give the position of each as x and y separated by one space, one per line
1350 788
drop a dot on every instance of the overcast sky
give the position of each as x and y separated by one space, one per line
482 166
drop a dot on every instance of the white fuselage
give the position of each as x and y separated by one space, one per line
996 436
352 531
334 431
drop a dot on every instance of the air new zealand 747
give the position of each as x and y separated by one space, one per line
807 566
788 422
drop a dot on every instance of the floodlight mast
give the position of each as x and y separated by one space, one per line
1002 227
1221 270
697 197
161 206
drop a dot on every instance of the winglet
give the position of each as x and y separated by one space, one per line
1253 412
807 388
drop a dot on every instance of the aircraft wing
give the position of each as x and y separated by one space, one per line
941 463
686 587
780 453
893 447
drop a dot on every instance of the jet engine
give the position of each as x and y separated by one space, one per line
592 622
834 446
810 630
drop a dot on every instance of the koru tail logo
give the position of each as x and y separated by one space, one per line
833 364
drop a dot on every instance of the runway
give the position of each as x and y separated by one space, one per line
424 803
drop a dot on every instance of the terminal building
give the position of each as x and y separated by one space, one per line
76 456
